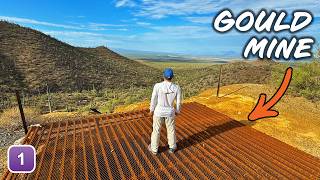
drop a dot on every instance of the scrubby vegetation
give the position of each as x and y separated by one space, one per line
305 81
50 73
31 60
192 81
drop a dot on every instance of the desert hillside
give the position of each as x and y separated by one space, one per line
30 59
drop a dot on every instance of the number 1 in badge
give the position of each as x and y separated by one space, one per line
21 159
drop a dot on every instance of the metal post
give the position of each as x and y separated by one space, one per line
22 113
219 81
49 99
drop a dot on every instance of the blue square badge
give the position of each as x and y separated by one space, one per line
21 159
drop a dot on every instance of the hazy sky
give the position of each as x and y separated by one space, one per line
165 26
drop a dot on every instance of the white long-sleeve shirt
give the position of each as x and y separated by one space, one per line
162 100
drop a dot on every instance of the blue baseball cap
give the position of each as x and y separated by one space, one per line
168 73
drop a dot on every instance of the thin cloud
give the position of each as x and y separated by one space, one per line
35 22
125 3
105 25
178 32
73 33
74 26
143 23
160 9
84 39
108 29
79 34
200 19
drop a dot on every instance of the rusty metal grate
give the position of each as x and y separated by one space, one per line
211 145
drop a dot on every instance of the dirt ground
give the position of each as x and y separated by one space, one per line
7 138
297 125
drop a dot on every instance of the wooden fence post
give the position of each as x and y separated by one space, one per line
219 81
22 113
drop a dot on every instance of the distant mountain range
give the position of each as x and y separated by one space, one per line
31 60
163 56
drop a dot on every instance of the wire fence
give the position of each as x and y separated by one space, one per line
107 99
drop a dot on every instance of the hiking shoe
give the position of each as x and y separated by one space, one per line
149 148
172 150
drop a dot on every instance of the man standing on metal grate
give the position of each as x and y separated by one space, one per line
162 109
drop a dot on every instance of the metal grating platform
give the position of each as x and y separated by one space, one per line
210 146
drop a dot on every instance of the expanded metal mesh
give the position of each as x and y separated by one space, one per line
210 146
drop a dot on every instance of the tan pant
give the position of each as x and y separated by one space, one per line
171 132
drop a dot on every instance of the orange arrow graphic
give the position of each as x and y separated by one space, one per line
263 108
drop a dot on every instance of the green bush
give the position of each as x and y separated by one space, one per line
305 81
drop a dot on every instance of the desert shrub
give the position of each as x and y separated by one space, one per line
305 81
192 79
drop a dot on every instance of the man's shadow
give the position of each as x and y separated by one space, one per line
201 136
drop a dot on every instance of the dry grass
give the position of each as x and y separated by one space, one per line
10 118
131 107
59 116
298 123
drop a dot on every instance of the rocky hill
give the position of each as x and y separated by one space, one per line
30 60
